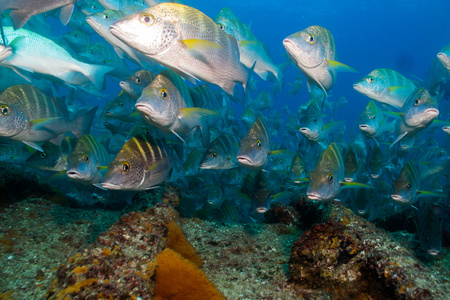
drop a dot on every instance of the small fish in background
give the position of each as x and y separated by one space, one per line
429 229
135 84
260 194
280 160
375 161
31 50
417 113
122 4
386 86
29 116
406 188
15 153
77 40
326 180
208 54
142 163
254 147
159 105
262 102
249 117
433 161
221 153
87 160
192 162
123 108
298 169
295 86
89 7
314 52
22 10
350 165
53 158
232 177
373 122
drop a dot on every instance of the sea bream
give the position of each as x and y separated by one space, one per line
186 41
314 52
142 163
29 116
327 178
34 53
221 153
254 147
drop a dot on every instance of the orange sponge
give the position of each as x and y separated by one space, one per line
179 243
179 279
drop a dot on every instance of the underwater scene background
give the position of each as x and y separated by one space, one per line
224 149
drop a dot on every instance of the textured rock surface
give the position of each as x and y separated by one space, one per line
352 259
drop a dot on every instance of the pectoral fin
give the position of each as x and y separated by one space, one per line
337 66
355 185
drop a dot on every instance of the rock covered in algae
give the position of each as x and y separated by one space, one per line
352 259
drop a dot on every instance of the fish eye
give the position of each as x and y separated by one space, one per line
330 177
94 6
146 131
259 144
5 110
105 16
315 119
91 51
417 101
164 94
370 79
441 154
86 158
43 155
147 19
126 167
409 185
121 103
214 155
138 80
311 39
221 26
372 117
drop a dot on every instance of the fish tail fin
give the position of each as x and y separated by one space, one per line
96 74
82 124
18 18
247 83
281 68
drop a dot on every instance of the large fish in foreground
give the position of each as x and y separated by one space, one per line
254 147
314 52
386 86
35 53
141 164
25 9
185 40
373 123
29 116
326 180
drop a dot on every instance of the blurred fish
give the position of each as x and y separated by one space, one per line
215 195
314 52
159 105
25 9
135 84
386 86
375 161
429 230
281 159
326 179
117 126
298 168
29 116
350 165
232 177
141 164
35 53
419 110
15 153
373 123
78 22
296 85
101 22
262 102
89 7
192 163
121 4
9 78
221 153
254 147
434 161
53 158
77 40
185 40
122 108
260 194
86 161
437 76
444 56
406 188
249 117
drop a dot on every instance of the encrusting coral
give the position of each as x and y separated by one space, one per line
179 279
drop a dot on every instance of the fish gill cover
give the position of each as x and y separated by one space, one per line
273 112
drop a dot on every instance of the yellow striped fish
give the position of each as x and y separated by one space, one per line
86 160
221 153
29 116
141 164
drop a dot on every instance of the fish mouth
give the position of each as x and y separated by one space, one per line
5 52
124 85
109 186
374 175
261 210
314 196
244 160
361 212
363 126
433 252
114 29
432 112
397 198
348 179
145 109
110 114
73 175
